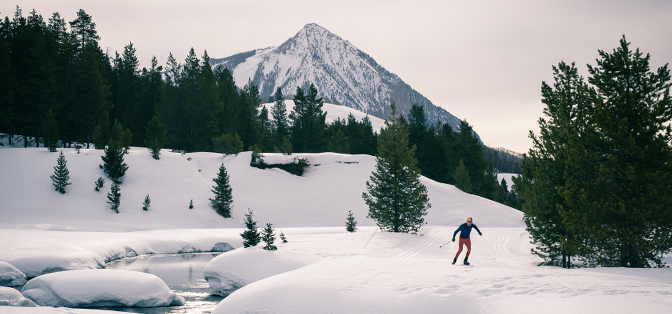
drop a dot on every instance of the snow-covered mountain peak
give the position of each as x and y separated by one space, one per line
342 73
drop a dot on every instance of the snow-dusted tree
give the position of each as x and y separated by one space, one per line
282 237
191 204
223 197
114 197
268 236
397 199
251 236
61 174
99 183
145 204
350 223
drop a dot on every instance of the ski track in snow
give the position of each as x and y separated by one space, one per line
423 245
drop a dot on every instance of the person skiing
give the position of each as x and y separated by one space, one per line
465 231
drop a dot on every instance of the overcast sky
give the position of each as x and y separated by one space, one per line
483 61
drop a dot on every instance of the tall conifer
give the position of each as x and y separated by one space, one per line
223 193
61 174
396 198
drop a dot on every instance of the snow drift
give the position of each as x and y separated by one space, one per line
100 287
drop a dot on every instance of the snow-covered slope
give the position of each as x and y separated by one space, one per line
342 74
322 197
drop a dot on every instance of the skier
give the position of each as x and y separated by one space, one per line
465 230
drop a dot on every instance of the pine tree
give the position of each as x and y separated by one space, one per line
619 174
102 134
544 167
61 174
251 236
279 114
51 133
154 137
145 204
114 197
282 237
99 183
191 204
350 223
308 122
114 165
462 180
223 193
397 199
268 236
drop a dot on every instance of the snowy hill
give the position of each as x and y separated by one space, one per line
322 268
321 197
342 74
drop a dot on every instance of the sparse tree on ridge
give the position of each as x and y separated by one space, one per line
396 198
223 193
268 237
61 174
251 236
350 223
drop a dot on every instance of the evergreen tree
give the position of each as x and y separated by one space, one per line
61 174
223 193
145 204
154 137
350 223
191 204
102 134
99 183
251 236
397 199
308 121
114 197
51 133
227 144
339 143
114 165
279 114
268 237
282 237
462 180
545 165
619 176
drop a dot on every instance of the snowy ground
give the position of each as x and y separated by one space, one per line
322 268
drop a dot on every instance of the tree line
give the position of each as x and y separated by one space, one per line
59 88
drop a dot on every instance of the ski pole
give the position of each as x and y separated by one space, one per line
440 246
367 242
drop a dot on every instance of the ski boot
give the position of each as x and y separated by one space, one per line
465 261
454 260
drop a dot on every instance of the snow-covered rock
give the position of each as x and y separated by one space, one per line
12 297
100 287
10 275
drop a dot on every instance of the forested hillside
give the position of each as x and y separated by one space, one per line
58 88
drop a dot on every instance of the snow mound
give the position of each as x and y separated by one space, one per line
12 297
100 287
10 275
231 271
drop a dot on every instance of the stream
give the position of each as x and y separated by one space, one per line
183 273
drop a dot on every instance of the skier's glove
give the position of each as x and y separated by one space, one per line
479 233
453 239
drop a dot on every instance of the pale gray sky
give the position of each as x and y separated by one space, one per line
483 61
